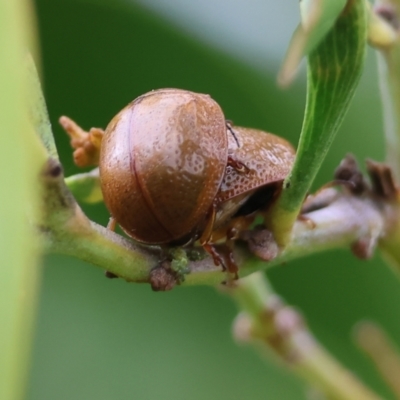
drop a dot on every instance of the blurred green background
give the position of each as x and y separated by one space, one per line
106 339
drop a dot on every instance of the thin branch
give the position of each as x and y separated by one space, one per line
347 221
66 230
274 327
377 345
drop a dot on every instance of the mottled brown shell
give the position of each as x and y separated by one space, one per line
162 162
268 159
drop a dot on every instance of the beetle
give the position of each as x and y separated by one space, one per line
173 171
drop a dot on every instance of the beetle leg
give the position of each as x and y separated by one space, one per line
224 257
227 263
230 234
240 167
112 224
86 145
206 235
217 257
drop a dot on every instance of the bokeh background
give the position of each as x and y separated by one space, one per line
106 339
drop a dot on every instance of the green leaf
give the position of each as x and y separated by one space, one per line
334 69
85 187
317 18
20 159
38 113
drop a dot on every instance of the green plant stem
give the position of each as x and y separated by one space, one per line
376 344
341 224
66 230
388 12
389 82
390 242
334 69
269 323
346 220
